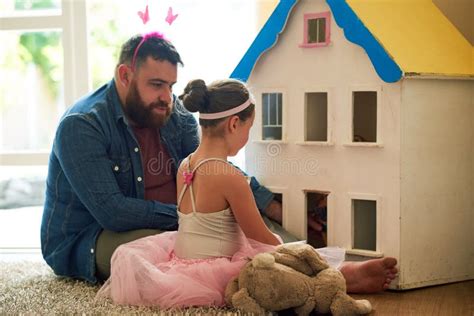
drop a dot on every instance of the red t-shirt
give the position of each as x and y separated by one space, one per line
158 175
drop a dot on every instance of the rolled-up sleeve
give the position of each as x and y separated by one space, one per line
262 195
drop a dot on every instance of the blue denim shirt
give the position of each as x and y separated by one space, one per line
95 180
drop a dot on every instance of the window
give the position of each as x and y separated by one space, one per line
31 89
42 53
316 212
316 117
364 116
23 7
364 221
316 29
279 195
272 112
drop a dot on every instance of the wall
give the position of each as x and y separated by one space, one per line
437 174
461 14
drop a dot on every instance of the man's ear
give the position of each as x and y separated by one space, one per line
124 75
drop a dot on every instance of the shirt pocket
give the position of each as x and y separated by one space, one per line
121 167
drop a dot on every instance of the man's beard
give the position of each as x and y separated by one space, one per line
143 115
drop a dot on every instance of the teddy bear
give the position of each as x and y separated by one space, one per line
294 276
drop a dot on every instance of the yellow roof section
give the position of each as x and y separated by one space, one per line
417 35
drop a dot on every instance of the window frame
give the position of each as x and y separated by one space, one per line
328 199
350 133
284 205
72 23
351 196
279 124
329 125
311 16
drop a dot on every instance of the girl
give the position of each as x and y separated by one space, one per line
219 223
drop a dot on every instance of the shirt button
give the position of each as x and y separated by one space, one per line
139 179
92 250
116 168
136 149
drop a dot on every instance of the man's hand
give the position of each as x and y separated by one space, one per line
274 211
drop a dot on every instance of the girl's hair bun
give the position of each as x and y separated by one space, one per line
195 96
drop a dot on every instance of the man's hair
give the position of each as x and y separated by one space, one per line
158 48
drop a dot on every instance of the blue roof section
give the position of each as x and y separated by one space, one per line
267 37
354 31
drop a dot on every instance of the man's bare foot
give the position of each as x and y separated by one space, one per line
369 276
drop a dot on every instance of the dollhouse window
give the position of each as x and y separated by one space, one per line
364 221
316 117
272 112
364 116
279 195
316 29
316 212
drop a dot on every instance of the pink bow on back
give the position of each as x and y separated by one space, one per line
188 177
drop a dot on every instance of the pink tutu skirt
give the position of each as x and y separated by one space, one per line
146 272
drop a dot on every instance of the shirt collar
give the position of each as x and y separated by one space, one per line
116 103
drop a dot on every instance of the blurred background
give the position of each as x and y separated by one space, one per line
55 51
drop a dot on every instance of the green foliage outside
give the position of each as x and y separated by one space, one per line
104 37
43 50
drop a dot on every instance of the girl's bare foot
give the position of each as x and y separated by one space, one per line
369 276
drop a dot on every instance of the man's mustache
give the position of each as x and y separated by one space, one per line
159 104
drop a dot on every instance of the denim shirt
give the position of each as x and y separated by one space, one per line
95 180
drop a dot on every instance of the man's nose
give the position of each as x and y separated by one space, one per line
166 95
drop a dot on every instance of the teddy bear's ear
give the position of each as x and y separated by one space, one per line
294 262
306 253
294 249
316 262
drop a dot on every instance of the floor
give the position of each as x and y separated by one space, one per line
451 299
19 240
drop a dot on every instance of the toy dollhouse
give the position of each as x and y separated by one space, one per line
368 105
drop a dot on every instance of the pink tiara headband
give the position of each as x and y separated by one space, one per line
144 39
218 115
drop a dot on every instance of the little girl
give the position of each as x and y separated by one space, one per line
219 224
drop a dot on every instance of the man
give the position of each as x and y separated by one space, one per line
112 169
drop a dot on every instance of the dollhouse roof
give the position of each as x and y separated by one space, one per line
401 38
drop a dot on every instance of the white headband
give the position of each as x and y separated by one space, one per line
218 115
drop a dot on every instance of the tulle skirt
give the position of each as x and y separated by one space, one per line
146 272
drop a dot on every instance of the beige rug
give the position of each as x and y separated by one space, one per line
29 287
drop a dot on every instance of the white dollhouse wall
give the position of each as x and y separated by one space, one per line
437 181
404 189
